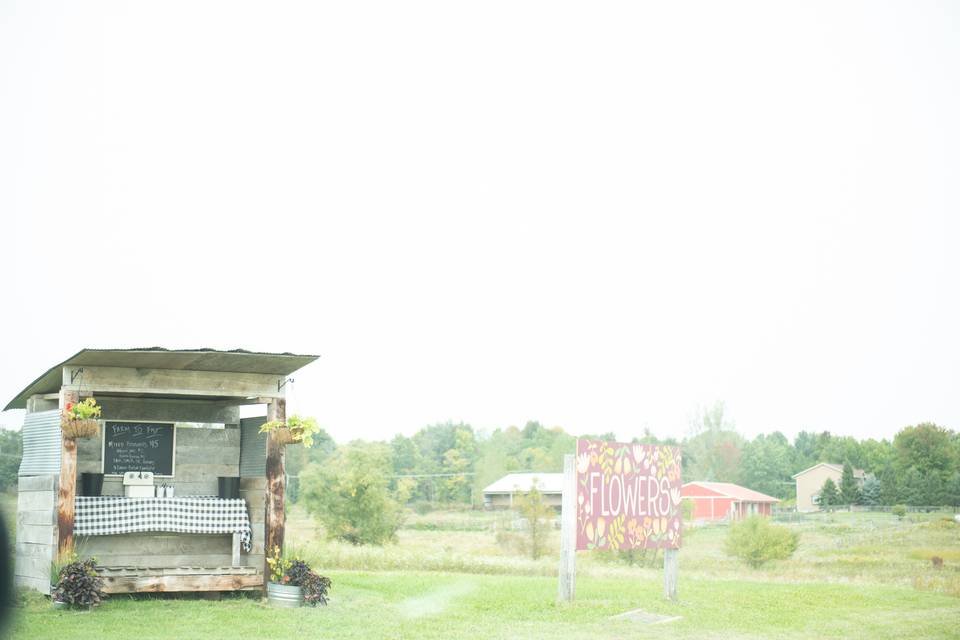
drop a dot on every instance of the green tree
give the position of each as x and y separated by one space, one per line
913 490
872 490
714 450
927 448
951 493
933 489
297 459
889 486
767 464
829 496
849 492
350 494
537 514
10 454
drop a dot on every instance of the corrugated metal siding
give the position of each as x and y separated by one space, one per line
41 443
253 448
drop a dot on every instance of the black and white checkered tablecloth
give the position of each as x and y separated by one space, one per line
106 515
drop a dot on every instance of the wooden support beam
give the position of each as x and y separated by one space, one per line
66 502
235 551
274 517
174 382
139 584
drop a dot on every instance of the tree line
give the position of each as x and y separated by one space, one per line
452 462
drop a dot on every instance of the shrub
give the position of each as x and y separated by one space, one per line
538 515
755 541
350 495
79 584
898 510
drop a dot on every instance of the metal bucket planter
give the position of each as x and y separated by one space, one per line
284 595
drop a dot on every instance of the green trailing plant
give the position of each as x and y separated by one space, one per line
79 584
756 541
298 429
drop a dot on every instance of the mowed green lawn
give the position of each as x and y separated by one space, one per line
435 605
854 576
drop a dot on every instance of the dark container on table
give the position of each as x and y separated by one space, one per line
228 487
91 484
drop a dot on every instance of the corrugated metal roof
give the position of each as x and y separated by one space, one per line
41 444
514 482
735 491
235 361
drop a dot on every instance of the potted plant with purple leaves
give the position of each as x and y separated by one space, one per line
293 583
79 585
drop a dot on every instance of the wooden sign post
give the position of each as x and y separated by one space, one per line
619 496
568 530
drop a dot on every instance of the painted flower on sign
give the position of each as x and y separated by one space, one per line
628 495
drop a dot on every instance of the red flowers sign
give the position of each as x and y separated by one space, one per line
628 496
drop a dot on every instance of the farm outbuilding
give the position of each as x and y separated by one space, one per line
499 495
810 482
172 491
715 501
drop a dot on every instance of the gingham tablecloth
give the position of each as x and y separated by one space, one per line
107 515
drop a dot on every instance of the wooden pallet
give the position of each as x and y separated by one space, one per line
130 579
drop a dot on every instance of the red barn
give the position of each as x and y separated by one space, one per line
723 500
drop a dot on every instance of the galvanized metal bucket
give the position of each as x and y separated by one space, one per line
284 595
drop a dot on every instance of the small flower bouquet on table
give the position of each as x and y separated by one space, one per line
79 419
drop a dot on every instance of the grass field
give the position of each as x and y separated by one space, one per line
854 576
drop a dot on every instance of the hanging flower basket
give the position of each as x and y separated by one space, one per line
286 435
79 419
295 430
79 429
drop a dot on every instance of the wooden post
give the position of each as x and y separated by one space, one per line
671 569
568 530
66 503
235 551
274 516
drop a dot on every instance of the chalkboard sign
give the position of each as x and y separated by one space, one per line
138 446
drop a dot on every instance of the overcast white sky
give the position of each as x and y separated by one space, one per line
595 215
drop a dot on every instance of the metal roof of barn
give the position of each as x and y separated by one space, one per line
734 491
233 361
514 482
